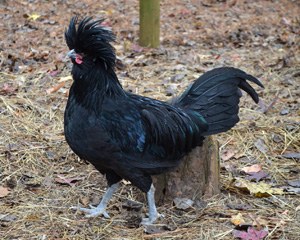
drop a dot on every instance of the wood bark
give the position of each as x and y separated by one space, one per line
196 176
149 23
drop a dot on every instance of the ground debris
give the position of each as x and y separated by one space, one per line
195 36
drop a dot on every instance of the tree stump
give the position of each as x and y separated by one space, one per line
197 175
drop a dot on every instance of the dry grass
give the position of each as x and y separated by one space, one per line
34 154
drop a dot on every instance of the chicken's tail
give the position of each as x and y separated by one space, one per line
216 95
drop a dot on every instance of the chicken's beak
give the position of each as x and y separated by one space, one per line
71 54
75 57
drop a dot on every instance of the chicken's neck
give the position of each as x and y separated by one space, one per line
92 85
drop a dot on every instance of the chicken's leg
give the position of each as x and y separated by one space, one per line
100 209
153 214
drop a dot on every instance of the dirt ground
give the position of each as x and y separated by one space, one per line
40 177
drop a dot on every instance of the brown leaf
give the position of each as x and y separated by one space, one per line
238 206
55 88
8 218
155 229
291 155
261 146
137 48
84 201
178 77
32 218
67 181
259 222
265 108
3 191
183 203
294 183
230 167
47 182
252 169
95 199
277 138
227 154
65 79
7 89
171 89
130 204
257 176
293 190
237 219
284 111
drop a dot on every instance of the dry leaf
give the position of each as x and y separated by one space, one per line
293 190
68 181
257 189
8 217
229 167
259 222
237 219
294 183
261 146
3 191
33 16
32 218
95 199
238 206
137 48
107 12
183 203
8 89
130 204
156 229
264 108
227 154
55 88
47 182
151 229
84 201
64 79
291 155
257 176
178 77
252 169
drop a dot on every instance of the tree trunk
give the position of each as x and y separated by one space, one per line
197 175
149 23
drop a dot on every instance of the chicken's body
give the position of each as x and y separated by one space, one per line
127 136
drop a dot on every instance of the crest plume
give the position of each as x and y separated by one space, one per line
90 38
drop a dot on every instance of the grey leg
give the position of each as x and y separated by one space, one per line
100 209
153 214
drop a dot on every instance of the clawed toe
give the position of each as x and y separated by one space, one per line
151 219
92 211
147 221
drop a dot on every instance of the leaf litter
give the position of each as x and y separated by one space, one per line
195 36
3 191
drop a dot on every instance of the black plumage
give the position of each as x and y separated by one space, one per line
127 136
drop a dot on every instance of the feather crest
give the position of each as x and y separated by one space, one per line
90 38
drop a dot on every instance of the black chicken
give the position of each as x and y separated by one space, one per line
127 136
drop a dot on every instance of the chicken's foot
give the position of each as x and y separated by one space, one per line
100 209
153 214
